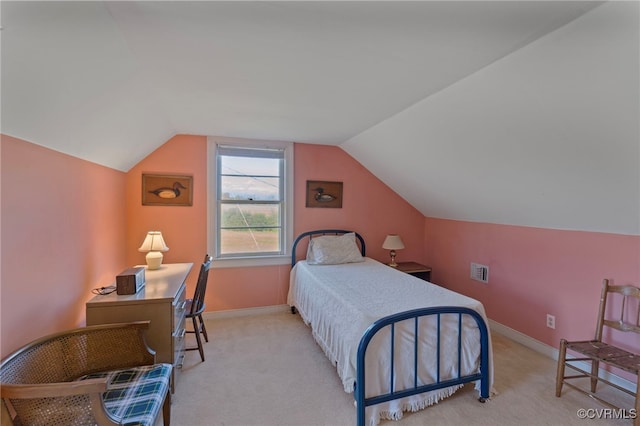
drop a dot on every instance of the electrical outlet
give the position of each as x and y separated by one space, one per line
479 272
551 321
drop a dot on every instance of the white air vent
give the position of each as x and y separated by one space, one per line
479 272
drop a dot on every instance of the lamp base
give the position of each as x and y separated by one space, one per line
154 259
393 263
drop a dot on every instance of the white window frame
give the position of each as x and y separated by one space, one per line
212 205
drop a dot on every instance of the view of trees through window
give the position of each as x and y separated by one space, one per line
250 202
250 228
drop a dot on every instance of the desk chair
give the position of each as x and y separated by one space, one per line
196 306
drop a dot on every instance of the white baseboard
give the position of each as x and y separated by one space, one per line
232 313
523 339
551 352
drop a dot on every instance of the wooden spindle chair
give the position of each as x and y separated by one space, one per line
597 351
196 306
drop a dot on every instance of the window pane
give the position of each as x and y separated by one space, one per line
250 188
249 228
249 166
249 241
251 192
249 215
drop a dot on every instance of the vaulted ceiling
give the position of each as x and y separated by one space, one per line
109 82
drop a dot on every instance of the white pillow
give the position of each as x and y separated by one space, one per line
333 250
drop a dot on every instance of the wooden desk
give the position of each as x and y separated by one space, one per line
161 300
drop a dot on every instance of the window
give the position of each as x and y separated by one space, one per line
250 208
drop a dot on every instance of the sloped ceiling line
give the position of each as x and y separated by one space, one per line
109 82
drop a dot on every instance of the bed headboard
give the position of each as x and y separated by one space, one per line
311 234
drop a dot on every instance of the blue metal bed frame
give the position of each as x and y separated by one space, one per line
389 321
310 234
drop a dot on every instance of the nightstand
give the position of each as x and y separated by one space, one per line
416 269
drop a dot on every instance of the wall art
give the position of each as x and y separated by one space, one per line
324 194
167 190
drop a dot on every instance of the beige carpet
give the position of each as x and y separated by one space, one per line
267 370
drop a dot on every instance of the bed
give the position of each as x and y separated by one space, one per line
366 315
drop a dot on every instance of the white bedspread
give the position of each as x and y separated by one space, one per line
339 302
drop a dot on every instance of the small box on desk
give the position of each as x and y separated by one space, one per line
130 281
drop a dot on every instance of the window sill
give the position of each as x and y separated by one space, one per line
243 262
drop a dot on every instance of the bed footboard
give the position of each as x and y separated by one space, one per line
390 321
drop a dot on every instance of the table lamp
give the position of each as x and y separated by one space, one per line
154 245
393 242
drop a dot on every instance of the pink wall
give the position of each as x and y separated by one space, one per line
183 227
369 207
62 235
185 230
533 272
70 218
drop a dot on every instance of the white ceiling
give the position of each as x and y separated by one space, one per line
109 82
511 112
546 137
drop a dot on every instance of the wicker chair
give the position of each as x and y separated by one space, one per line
104 374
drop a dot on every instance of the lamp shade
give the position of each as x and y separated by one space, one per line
393 242
153 242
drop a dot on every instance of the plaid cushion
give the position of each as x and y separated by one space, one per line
135 396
